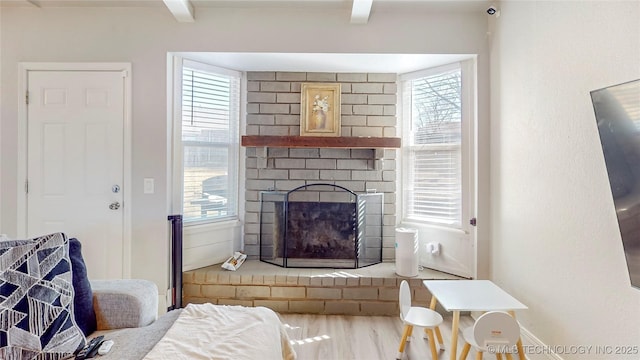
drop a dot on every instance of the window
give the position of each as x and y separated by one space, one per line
432 150
209 127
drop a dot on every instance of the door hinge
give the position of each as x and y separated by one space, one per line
26 97
472 222
26 186
125 73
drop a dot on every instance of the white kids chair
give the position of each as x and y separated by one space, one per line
495 332
416 316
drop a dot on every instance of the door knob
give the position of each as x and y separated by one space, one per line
114 206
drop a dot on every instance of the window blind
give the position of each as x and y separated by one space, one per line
210 117
433 187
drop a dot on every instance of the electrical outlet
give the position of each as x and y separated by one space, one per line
433 248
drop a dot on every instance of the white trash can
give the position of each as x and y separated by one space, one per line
407 252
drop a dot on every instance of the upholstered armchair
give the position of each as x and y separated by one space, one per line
128 303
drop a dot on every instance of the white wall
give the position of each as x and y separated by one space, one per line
555 240
143 36
2 89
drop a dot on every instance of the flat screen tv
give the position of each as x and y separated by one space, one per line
617 110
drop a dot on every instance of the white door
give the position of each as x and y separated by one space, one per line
75 122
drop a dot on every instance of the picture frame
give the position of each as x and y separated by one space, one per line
320 109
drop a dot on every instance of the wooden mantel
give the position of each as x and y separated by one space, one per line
262 142
350 142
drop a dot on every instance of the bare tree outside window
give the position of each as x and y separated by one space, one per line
438 110
434 189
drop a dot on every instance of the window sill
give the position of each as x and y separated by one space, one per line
201 226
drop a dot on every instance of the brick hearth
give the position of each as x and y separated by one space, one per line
372 290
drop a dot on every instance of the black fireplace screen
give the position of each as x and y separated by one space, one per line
321 226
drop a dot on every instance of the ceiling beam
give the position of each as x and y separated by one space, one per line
182 10
360 11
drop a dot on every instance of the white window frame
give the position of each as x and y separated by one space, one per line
176 176
468 156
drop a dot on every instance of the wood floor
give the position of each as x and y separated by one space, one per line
339 337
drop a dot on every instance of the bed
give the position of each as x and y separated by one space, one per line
207 331
204 331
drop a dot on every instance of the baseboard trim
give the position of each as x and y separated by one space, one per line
530 340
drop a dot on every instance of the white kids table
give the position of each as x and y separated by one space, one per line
471 295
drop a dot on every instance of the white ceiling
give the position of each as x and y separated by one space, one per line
389 63
306 62
449 5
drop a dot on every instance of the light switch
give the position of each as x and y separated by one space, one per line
149 186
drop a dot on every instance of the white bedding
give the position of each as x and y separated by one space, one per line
207 331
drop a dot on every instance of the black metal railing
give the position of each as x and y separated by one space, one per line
176 261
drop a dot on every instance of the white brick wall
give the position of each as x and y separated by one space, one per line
368 109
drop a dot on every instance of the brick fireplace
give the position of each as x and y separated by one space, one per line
321 226
368 109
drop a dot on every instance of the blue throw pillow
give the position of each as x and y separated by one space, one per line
84 313
36 300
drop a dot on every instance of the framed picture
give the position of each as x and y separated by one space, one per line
320 109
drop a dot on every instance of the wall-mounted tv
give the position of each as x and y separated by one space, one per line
617 110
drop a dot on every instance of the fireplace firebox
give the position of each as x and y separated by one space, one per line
321 226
